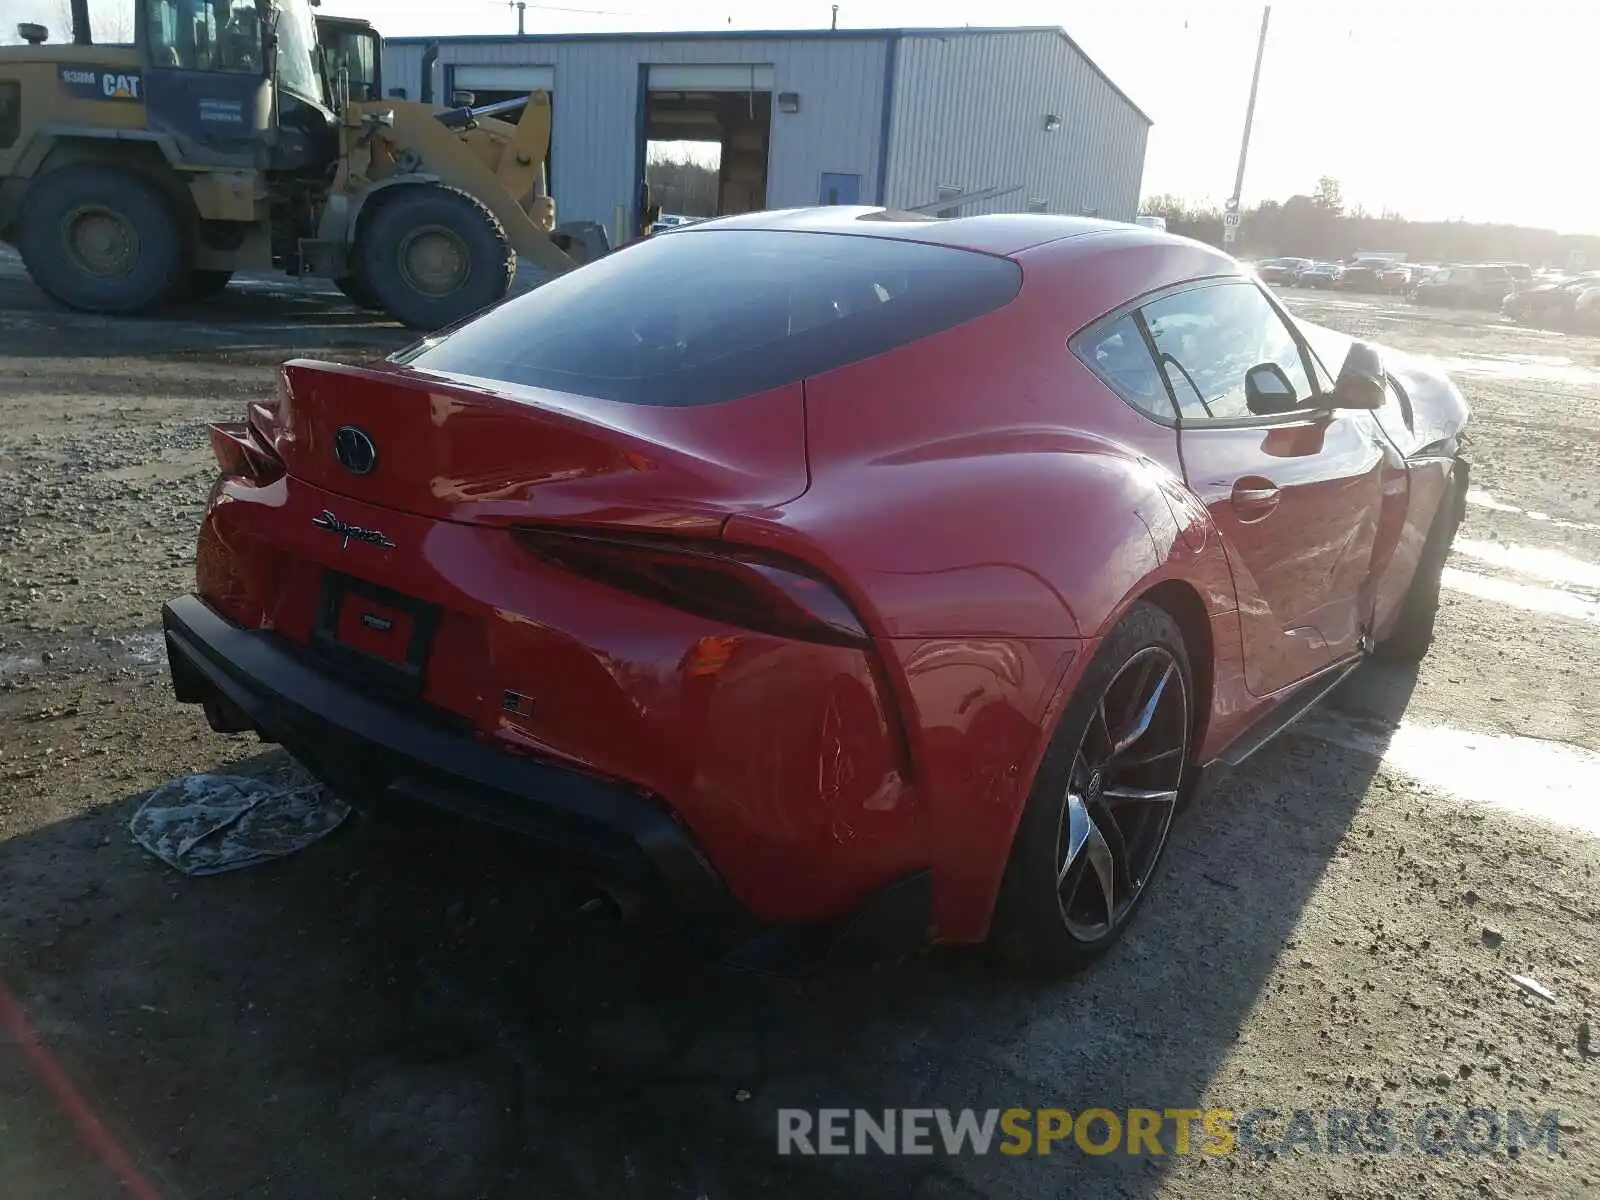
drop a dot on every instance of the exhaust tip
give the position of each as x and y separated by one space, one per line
607 903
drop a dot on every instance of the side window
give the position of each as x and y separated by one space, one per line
164 34
354 53
1207 338
364 67
1328 349
204 35
1118 354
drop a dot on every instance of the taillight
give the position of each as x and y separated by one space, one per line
240 450
752 593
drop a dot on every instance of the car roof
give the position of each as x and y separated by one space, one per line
993 233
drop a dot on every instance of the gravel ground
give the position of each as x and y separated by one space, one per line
416 1012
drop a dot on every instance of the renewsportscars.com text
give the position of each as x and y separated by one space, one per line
1150 1131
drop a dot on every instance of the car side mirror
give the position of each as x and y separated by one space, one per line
1362 382
1267 390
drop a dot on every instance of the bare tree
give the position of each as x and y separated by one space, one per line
1319 225
110 21
681 185
1329 197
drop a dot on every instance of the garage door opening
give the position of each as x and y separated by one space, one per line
684 178
707 131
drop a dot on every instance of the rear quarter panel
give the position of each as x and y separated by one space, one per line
991 509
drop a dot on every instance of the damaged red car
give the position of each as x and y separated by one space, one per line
832 579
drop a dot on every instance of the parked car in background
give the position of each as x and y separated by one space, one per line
1281 270
1521 273
1395 279
1481 285
1321 275
668 221
1548 303
1149 222
1586 308
1363 276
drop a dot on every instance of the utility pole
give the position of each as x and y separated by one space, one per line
835 24
522 12
1230 231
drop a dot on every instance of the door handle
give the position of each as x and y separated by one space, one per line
1254 499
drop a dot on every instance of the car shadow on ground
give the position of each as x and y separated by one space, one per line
415 1007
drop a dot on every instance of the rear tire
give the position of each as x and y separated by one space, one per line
1412 635
101 240
1096 822
432 255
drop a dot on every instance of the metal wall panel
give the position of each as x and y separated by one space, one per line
596 107
710 77
402 67
500 78
970 110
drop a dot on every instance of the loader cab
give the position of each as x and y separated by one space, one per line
352 52
237 83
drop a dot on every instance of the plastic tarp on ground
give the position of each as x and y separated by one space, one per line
210 824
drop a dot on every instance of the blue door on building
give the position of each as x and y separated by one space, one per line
840 189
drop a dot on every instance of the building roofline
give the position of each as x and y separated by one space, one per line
789 35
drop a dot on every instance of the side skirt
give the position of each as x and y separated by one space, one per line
1300 700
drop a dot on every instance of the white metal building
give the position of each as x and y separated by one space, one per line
998 120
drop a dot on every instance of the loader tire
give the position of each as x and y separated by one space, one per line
102 240
356 291
432 255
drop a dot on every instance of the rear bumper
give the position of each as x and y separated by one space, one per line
369 749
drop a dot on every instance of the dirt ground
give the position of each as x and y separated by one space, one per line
418 1011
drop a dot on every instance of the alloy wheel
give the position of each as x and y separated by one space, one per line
1122 792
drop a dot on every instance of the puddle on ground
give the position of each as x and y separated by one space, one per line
144 648
1541 368
1553 565
1549 780
1489 500
1527 596
16 664
1479 498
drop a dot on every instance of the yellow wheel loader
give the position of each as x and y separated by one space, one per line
232 135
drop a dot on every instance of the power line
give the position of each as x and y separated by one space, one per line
524 5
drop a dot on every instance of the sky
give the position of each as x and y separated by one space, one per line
1480 110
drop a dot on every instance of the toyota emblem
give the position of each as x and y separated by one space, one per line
354 450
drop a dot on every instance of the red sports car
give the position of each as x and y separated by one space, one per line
841 577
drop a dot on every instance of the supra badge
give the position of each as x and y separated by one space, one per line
354 450
351 533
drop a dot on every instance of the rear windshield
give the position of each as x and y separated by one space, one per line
709 315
